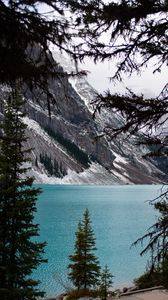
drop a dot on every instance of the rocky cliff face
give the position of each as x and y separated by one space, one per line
66 147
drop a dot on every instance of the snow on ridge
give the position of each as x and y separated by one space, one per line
79 84
33 125
122 177
119 159
87 98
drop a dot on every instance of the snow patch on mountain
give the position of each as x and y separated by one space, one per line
121 177
119 159
33 125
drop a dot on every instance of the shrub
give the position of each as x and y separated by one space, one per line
148 279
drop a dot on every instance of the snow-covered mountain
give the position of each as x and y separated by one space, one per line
66 147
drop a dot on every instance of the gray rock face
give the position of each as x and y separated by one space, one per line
69 146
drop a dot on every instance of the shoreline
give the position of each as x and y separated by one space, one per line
153 293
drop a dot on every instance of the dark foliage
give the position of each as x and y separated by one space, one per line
81 156
159 276
20 254
148 280
53 167
157 238
133 27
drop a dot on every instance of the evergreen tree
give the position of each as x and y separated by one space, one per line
105 282
157 240
19 253
85 266
76 274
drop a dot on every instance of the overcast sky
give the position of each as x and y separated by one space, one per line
147 83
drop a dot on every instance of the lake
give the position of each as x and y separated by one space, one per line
119 214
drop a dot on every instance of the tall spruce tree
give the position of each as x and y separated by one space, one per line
20 254
85 266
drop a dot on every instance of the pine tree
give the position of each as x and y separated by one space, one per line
20 254
76 275
105 282
85 266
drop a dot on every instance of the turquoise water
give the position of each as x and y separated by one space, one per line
119 214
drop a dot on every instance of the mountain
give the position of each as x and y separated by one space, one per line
70 147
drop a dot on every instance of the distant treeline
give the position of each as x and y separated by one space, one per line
52 166
81 156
